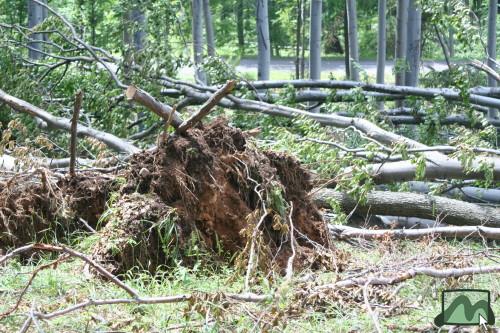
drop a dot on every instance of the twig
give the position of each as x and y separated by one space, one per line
369 308
289 266
87 225
207 107
410 274
251 256
26 324
74 132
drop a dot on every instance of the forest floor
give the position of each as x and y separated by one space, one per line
410 306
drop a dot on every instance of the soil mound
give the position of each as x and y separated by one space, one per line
203 192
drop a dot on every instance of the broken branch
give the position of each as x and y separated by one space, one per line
143 98
207 107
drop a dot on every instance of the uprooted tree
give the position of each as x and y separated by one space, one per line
171 177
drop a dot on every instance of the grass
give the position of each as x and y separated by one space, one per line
416 302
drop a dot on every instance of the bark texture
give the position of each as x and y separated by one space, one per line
445 210
352 29
263 41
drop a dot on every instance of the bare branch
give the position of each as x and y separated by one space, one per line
345 232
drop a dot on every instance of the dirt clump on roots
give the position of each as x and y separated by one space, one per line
208 191
220 187
41 206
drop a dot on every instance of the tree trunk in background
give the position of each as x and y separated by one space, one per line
298 39
197 26
492 45
352 28
315 43
346 44
315 40
138 20
209 28
93 22
240 25
451 36
303 39
381 40
264 46
401 41
36 15
413 45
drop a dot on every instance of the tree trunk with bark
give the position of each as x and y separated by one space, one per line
401 41
197 27
492 47
445 210
298 39
263 41
240 25
209 28
413 45
347 60
381 40
36 15
315 43
352 28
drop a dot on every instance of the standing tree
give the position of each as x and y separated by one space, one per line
264 46
315 40
197 27
381 40
315 43
352 29
298 38
413 44
347 59
36 15
492 47
401 41
138 19
209 28
240 25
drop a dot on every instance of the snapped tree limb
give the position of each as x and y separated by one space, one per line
164 111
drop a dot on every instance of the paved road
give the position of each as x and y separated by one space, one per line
327 66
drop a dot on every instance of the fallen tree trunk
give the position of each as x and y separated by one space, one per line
427 93
345 232
54 122
465 193
449 120
445 210
400 171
